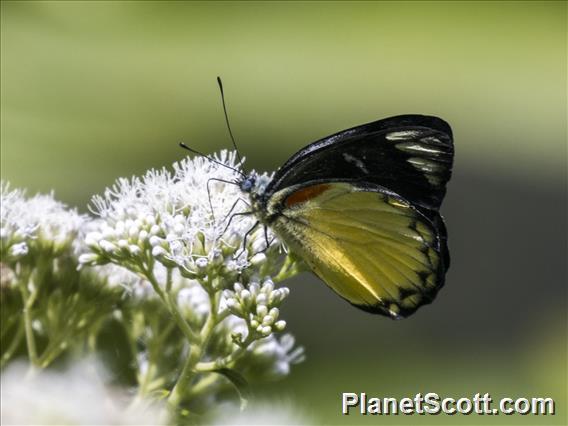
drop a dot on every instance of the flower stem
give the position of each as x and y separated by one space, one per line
204 384
195 354
172 306
224 362
289 268
146 379
28 299
52 352
186 375
13 345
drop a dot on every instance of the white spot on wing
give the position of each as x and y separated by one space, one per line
435 140
429 168
424 165
433 179
358 163
416 147
403 135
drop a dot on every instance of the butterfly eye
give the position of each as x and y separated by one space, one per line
247 184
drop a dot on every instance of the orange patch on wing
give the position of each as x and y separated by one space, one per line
306 194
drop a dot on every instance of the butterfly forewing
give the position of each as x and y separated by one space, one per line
411 155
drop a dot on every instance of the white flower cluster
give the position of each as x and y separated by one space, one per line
77 396
261 414
267 358
194 301
272 358
162 258
258 306
181 232
36 225
115 276
179 219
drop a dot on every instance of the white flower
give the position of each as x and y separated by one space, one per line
181 231
286 413
271 358
115 276
31 225
7 276
184 218
258 305
75 397
194 301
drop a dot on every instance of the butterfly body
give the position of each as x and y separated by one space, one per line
361 209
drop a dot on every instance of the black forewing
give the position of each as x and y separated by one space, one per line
411 155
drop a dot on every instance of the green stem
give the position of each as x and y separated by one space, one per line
205 367
172 306
52 352
169 280
28 300
13 345
289 267
146 379
224 362
203 384
196 352
7 325
186 375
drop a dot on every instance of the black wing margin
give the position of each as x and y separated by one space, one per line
411 155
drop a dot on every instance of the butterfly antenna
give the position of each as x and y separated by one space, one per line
227 118
184 146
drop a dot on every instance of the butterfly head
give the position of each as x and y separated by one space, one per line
255 185
248 182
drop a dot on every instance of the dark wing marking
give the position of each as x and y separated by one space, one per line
411 155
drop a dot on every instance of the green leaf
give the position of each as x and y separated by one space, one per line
239 382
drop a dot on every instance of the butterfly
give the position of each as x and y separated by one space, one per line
361 209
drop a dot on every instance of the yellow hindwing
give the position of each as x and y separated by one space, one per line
370 246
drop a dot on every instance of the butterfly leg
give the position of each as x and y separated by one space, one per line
244 245
231 219
268 243
234 205
209 191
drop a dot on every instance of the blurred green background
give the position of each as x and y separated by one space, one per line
92 91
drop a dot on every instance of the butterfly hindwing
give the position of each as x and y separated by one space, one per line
411 155
370 245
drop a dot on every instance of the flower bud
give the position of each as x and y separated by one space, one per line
261 310
142 236
258 259
155 241
88 258
107 246
280 325
268 286
159 252
201 263
261 299
20 249
93 238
